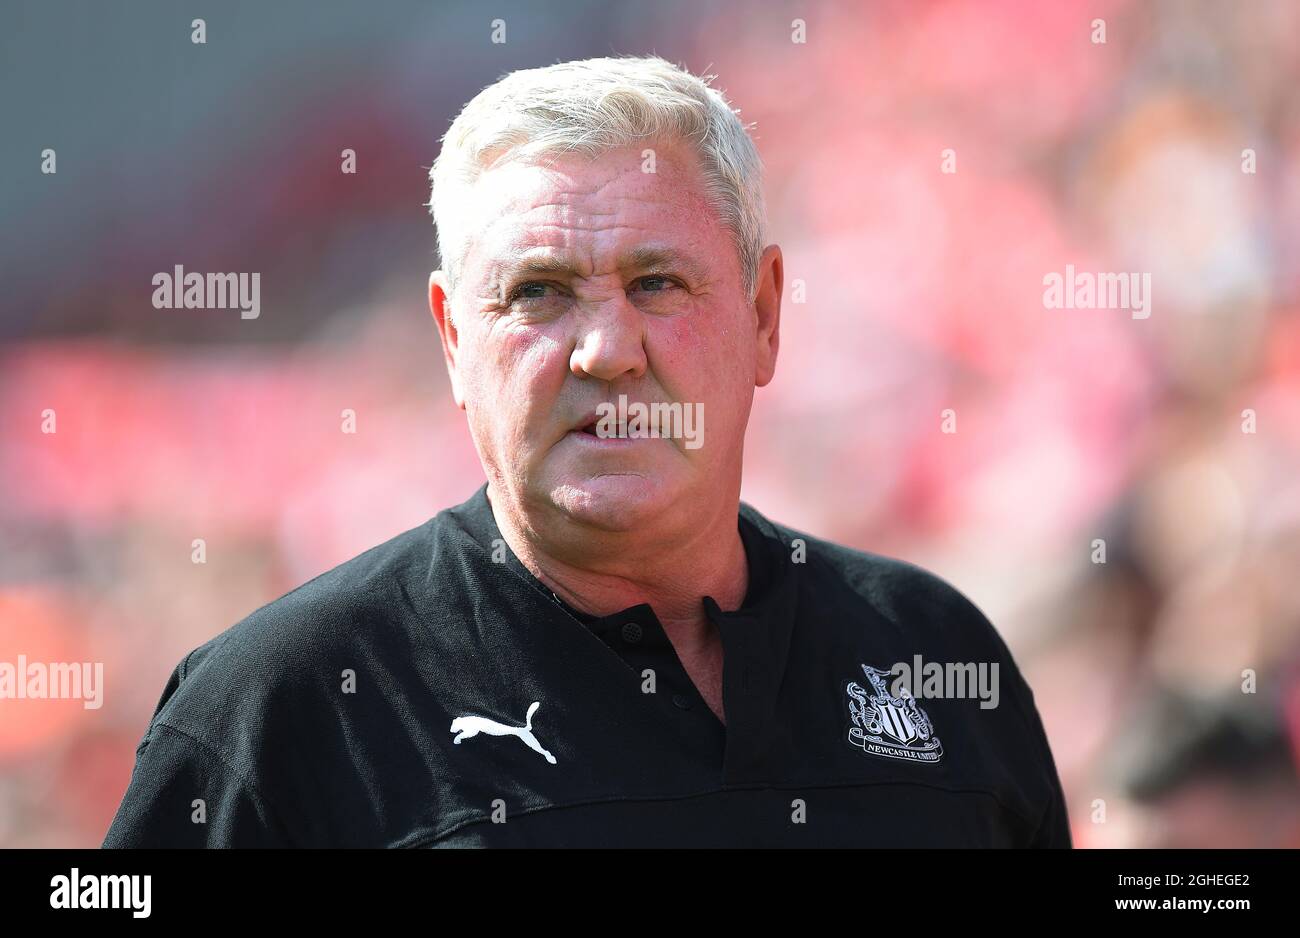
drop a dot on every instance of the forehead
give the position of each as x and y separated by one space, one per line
589 209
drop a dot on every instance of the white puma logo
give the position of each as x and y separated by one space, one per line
472 725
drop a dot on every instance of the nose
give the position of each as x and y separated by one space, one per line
610 342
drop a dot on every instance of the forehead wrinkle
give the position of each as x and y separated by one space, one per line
590 201
551 236
540 264
543 261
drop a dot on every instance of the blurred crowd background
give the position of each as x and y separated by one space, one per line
924 291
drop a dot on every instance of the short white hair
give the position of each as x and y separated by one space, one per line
592 106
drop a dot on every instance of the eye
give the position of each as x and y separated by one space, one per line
654 283
532 290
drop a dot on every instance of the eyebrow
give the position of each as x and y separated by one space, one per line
648 258
640 258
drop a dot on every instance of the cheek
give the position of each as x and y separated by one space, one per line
531 360
682 345
520 372
706 355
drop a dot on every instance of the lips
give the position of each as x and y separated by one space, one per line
589 429
588 423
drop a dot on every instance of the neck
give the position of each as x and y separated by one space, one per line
602 572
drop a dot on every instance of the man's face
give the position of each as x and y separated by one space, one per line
586 279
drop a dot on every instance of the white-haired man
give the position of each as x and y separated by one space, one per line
603 645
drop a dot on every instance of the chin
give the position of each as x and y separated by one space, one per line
616 501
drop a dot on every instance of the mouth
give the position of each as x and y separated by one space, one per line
588 422
587 429
589 432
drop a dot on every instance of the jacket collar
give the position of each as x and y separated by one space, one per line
770 601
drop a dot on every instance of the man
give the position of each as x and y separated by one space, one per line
602 646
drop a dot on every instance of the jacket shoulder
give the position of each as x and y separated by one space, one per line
277 651
908 596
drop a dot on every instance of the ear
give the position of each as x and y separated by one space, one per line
440 306
767 312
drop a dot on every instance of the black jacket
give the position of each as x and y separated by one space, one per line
426 693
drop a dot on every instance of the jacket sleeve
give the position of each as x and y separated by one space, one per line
1054 828
183 795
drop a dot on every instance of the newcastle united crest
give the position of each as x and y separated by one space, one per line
885 725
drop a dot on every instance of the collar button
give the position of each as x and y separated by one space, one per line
632 632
